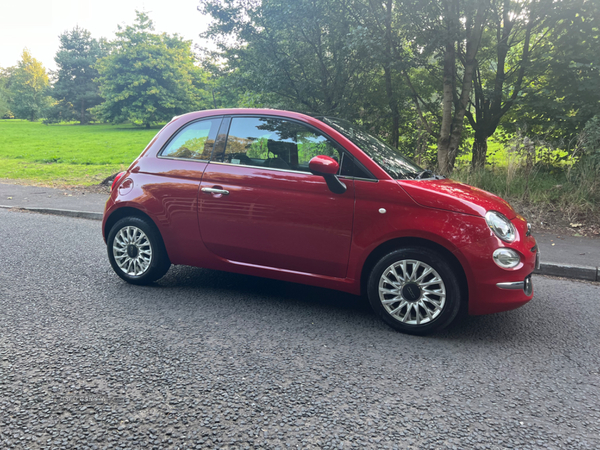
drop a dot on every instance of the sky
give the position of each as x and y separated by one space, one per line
36 24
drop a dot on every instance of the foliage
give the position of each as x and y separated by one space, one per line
4 94
414 71
28 87
68 154
297 50
587 154
74 87
566 93
591 137
147 77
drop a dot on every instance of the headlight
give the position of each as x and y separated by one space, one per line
501 226
506 258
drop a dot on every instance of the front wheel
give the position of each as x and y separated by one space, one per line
136 251
414 290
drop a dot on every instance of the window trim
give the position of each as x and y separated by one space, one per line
303 172
160 155
337 145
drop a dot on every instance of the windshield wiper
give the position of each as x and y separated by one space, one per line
422 174
425 172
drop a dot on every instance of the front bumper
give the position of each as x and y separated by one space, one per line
526 285
493 289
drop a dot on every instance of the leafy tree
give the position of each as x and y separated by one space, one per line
294 54
443 38
148 77
425 70
4 93
516 49
74 87
565 94
28 88
379 28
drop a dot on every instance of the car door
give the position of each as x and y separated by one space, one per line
260 205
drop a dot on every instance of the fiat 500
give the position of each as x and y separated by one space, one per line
316 200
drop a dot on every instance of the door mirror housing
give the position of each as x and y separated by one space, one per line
323 165
328 168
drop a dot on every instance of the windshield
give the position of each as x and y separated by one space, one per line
396 165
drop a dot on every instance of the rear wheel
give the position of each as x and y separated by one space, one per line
414 290
136 251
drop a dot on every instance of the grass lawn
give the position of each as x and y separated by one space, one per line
67 154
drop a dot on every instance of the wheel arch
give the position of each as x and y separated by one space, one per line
403 242
127 211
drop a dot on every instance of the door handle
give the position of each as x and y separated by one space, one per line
215 191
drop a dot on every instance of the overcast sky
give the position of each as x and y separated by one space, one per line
36 24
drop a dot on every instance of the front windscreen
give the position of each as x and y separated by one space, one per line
396 165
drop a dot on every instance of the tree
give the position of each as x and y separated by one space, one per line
519 33
444 38
148 77
295 51
427 50
565 93
28 88
4 93
378 27
74 88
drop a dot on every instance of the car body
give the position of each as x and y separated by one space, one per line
252 191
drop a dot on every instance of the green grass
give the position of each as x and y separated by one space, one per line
67 154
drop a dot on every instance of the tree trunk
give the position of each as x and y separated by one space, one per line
82 119
452 125
447 100
395 136
479 151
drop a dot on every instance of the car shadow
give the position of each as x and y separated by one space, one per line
184 277
512 326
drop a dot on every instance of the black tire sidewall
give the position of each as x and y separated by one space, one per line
159 263
441 266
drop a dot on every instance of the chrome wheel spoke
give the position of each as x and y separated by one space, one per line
399 308
418 308
407 314
422 277
426 309
389 281
413 272
396 274
394 292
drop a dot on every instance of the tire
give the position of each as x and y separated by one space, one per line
414 290
136 251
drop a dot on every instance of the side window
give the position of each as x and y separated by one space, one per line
194 141
351 168
275 143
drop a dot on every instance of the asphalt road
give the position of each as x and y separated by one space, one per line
206 359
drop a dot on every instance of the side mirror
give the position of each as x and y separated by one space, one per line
323 165
328 168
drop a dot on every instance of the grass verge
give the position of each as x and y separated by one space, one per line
67 154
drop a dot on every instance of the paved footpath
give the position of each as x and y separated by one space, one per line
566 256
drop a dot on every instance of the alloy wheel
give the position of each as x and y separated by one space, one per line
412 292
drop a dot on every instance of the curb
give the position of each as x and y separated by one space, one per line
587 273
59 212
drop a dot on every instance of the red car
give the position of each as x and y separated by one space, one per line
317 201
